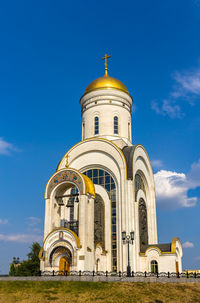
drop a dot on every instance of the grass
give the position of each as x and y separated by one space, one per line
61 291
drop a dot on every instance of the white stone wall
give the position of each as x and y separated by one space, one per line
104 257
106 104
103 154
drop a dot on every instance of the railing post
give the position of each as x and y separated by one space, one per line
195 275
168 274
106 273
157 274
53 272
79 272
145 274
120 274
178 275
93 273
132 274
187 275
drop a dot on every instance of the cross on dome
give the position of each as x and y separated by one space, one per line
106 64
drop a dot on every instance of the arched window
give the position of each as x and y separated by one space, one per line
103 178
96 125
99 213
143 227
154 267
116 131
139 184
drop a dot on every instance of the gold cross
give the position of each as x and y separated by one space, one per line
106 64
67 161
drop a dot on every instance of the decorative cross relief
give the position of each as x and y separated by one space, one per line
67 161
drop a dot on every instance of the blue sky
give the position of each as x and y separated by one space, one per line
50 51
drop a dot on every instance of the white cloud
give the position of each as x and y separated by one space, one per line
196 2
186 87
3 221
32 221
157 163
188 82
188 244
172 187
194 175
167 108
6 147
21 238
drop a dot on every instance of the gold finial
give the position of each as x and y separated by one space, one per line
106 64
67 161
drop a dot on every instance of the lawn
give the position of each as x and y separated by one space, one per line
61 291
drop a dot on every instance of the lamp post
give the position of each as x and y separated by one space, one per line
129 240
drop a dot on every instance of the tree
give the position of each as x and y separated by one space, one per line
30 267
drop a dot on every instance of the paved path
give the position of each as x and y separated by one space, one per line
103 279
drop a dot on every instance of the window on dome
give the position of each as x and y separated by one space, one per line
96 125
129 132
115 125
83 131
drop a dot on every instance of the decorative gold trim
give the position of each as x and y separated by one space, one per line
40 256
173 245
107 88
55 229
104 252
173 248
89 186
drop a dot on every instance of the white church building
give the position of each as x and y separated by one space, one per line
100 212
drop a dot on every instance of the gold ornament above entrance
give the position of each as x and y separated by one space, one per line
83 183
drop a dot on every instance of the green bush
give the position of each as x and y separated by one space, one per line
30 267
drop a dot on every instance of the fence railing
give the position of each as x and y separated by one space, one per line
121 274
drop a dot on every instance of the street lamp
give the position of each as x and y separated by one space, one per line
129 240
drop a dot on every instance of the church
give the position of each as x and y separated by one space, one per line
100 211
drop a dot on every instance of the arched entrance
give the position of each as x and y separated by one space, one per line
61 258
63 265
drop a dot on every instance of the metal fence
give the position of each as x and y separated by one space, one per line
121 274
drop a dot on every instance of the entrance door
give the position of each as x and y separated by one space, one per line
63 265
177 267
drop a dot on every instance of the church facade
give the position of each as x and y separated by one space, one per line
100 211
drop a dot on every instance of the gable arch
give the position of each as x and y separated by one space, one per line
141 165
93 148
71 177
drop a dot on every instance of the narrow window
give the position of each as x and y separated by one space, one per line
154 267
96 125
83 134
115 125
143 226
99 220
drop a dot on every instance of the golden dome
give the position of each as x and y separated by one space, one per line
106 82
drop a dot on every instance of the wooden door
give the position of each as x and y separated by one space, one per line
177 267
63 265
